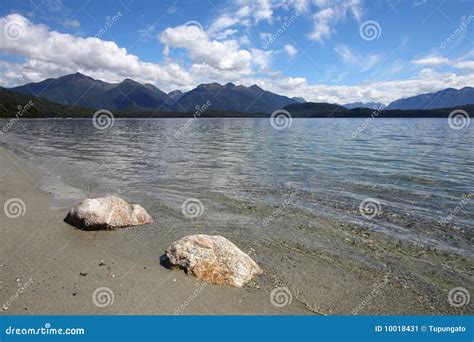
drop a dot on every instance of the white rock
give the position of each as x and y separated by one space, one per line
110 212
214 259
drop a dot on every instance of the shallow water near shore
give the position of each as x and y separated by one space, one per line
289 198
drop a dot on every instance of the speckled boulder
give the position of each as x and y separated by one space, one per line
214 259
110 212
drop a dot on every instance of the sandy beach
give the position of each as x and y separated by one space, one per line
55 268
49 267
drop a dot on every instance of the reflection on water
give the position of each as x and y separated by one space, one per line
418 167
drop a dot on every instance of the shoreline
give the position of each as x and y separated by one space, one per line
52 268
68 265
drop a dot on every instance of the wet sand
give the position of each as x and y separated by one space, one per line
48 267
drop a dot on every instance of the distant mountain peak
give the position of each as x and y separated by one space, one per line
85 91
449 97
299 99
75 76
231 97
130 81
256 87
175 95
175 92
213 85
80 74
370 105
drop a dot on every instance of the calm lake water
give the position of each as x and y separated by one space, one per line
242 170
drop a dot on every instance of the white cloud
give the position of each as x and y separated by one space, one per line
377 91
147 32
223 22
437 61
290 50
330 12
417 3
263 10
49 53
364 62
432 61
262 58
243 13
346 54
222 55
226 33
75 24
53 5
469 65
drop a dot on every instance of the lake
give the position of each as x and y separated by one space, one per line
272 191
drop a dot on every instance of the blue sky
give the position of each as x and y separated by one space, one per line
323 50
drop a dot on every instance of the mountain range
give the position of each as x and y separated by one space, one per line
84 91
449 97
370 105
13 105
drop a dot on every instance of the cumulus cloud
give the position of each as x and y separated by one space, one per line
290 50
377 91
222 55
49 53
